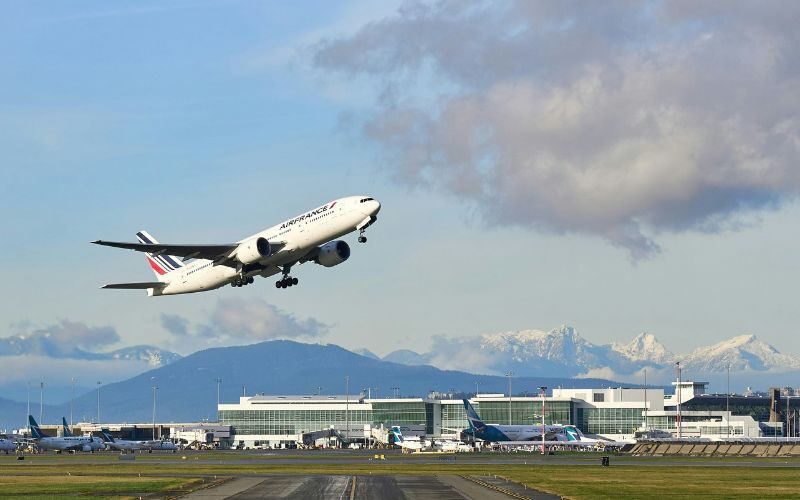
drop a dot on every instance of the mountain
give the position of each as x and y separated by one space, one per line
186 388
367 353
745 352
564 352
645 347
407 357
42 345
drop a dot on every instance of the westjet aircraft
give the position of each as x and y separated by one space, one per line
408 444
68 443
126 445
499 432
309 237
7 445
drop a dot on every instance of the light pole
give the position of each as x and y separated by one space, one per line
542 392
27 422
509 375
98 400
645 400
41 402
71 401
678 419
727 401
347 404
155 387
218 380
477 384
396 391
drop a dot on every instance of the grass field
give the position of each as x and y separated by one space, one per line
102 475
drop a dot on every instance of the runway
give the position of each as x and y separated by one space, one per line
360 487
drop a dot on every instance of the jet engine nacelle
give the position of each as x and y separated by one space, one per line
333 253
253 250
86 448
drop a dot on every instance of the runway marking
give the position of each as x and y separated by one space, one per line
353 489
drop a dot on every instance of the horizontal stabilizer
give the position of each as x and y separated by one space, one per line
136 286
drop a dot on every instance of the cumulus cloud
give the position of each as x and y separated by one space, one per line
65 339
236 321
462 353
614 119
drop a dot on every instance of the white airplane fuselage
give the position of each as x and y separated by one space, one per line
7 445
78 443
296 237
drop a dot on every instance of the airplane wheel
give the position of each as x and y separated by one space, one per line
250 280
278 284
295 281
362 239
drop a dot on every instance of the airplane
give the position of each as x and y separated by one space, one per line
67 432
406 444
7 445
119 444
308 237
126 445
499 432
66 443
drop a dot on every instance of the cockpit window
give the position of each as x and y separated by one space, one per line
366 199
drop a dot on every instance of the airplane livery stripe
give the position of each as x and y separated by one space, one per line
155 266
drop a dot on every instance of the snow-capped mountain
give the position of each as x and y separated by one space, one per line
564 352
154 356
744 352
645 347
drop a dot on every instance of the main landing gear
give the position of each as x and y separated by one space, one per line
286 282
242 281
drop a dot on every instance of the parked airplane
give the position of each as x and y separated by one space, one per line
407 444
120 444
68 443
7 445
309 237
126 445
499 432
67 432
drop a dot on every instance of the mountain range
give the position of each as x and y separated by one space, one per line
186 389
564 352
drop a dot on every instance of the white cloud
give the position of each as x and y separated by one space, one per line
616 120
236 321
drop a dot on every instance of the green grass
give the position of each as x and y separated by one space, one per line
104 474
105 486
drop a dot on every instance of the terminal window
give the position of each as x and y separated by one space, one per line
598 397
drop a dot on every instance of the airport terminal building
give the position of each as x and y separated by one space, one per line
613 413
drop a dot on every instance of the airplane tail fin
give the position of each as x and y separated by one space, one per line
475 422
161 264
36 432
398 436
107 437
67 432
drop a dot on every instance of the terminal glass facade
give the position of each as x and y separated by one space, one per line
290 422
388 414
610 420
454 418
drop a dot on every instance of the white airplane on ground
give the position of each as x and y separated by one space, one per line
500 433
309 237
126 445
67 443
7 445
408 444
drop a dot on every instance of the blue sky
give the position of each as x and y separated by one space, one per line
204 121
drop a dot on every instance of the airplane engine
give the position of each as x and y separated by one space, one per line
251 251
86 447
333 253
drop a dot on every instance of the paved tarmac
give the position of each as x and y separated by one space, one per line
341 487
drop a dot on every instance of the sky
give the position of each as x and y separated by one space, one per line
619 167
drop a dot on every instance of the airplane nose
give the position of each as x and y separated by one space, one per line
376 207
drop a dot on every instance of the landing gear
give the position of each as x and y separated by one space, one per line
286 282
361 237
242 281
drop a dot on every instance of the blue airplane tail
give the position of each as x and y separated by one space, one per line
398 436
36 432
67 432
475 422
107 437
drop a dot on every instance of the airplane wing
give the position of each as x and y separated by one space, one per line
218 253
136 286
